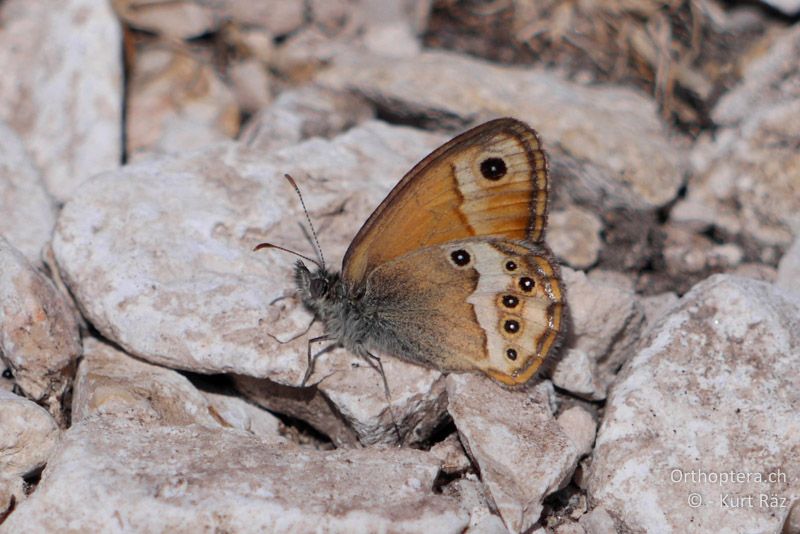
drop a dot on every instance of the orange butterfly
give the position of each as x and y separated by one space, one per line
451 270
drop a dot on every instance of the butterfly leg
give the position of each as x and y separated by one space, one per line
376 363
301 334
313 358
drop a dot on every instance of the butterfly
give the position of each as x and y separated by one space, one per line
451 270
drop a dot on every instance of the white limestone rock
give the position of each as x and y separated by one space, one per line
234 412
710 392
302 113
28 436
521 451
110 383
112 474
744 183
606 320
789 268
39 338
28 211
769 78
176 103
574 236
61 88
192 18
579 425
615 132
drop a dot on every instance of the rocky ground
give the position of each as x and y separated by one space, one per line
153 363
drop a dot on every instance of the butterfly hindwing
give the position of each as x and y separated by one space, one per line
487 304
489 181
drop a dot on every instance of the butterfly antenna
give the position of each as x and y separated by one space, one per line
308 218
270 245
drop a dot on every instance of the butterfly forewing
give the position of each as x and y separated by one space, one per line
489 181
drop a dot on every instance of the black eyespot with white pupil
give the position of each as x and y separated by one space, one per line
510 301
493 168
511 326
511 354
460 257
511 266
526 284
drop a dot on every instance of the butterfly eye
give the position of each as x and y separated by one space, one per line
460 257
511 354
319 287
493 168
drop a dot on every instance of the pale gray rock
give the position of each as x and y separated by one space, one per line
605 322
598 521
416 406
347 18
251 84
307 404
608 148
176 102
790 8
487 524
392 40
193 478
298 114
791 523
348 401
184 20
12 491
655 306
687 253
250 42
304 53
574 236
67 109
472 495
744 183
570 527
112 384
771 78
451 453
28 211
710 392
7 379
789 268
39 337
756 271
109 383
577 372
28 436
521 451
579 425
234 412
195 296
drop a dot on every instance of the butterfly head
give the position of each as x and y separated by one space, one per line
317 288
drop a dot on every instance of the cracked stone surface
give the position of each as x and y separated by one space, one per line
711 390
67 110
522 452
39 338
215 479
28 211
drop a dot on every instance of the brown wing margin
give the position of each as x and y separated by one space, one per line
444 198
